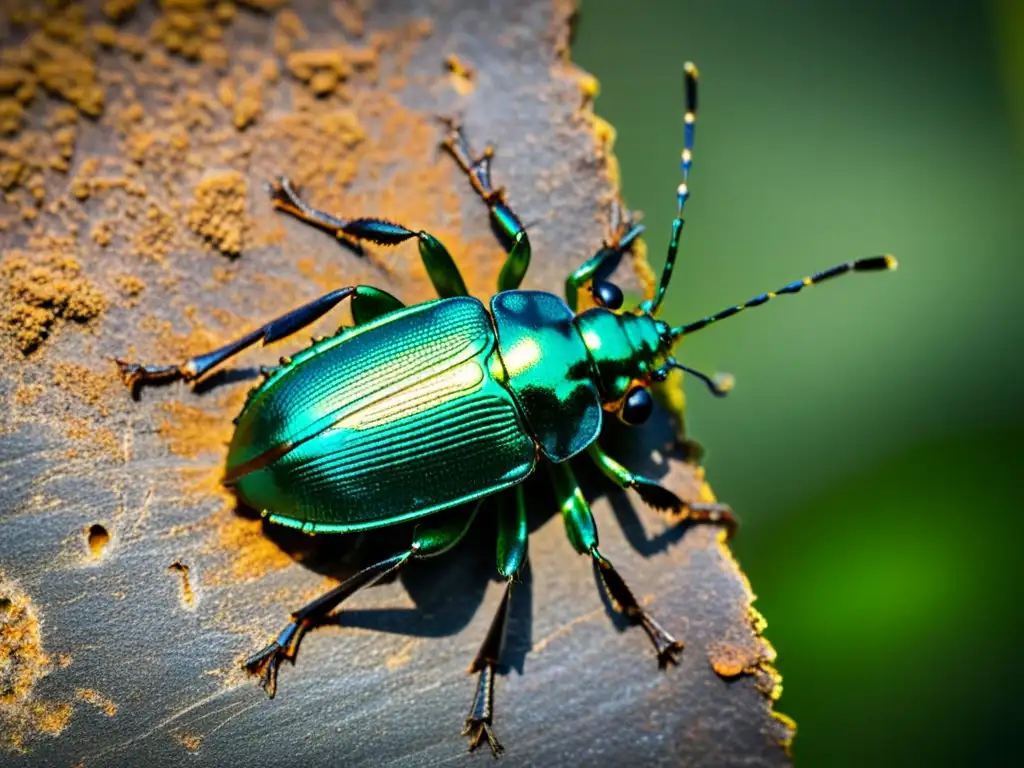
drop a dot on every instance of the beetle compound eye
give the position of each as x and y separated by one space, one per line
637 407
608 295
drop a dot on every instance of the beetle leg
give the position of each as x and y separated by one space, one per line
512 537
481 714
367 303
427 541
582 532
510 229
623 232
660 497
441 268
265 662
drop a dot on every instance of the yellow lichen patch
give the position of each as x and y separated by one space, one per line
41 286
321 70
733 659
11 112
98 700
218 211
194 31
66 70
131 288
23 663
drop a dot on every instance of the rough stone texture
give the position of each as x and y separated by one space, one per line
141 582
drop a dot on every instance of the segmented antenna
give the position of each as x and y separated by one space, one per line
870 264
690 75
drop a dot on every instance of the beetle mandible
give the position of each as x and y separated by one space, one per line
360 430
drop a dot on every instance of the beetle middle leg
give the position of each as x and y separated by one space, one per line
367 302
427 541
512 536
660 497
582 533
511 229
441 269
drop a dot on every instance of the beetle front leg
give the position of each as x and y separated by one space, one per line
660 497
512 536
623 231
441 268
582 532
511 229
428 541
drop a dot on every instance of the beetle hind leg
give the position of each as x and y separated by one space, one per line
265 662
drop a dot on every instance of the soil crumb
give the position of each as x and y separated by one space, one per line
218 211
40 287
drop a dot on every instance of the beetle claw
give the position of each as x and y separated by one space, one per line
476 730
264 665
668 655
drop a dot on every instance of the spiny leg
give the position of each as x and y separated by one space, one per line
439 537
441 268
366 301
661 498
582 533
623 232
512 536
478 171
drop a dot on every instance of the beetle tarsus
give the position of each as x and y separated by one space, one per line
135 375
662 499
478 729
666 647
264 665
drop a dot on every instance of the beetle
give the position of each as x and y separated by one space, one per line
361 429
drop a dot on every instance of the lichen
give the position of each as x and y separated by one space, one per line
218 211
24 715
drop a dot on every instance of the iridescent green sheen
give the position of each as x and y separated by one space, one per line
622 347
548 371
389 421
512 532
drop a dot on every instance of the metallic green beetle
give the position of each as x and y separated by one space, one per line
362 429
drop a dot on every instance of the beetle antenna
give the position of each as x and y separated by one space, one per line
870 264
690 75
720 385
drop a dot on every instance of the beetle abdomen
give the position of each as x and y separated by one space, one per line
396 419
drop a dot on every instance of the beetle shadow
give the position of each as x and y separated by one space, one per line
447 590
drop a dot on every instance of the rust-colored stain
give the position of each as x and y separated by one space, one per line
24 716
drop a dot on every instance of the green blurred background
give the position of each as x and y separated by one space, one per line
872 446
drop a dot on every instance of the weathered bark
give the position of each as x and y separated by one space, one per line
131 585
